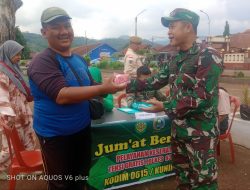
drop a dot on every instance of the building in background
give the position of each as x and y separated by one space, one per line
96 52
235 49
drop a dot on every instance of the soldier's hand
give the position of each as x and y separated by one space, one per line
157 106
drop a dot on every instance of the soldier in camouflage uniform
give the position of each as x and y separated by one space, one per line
192 105
143 72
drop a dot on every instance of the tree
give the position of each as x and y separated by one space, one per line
21 40
226 30
87 59
8 10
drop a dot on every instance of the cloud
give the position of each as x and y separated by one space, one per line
112 18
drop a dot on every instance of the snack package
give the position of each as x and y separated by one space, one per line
121 78
139 105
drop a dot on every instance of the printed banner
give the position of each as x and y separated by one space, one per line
130 152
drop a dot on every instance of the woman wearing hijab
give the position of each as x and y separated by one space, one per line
14 97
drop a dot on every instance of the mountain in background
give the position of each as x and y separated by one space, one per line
162 42
37 43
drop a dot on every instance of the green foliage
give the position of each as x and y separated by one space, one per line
246 98
116 65
142 51
94 65
21 40
226 30
150 56
23 63
102 64
240 75
105 64
87 59
153 64
117 55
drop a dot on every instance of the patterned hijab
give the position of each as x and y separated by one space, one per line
8 50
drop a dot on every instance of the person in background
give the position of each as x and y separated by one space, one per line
14 102
108 101
132 61
160 61
224 109
61 108
193 75
143 73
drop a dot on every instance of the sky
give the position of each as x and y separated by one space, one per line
99 19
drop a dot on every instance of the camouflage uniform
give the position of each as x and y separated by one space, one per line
144 95
193 78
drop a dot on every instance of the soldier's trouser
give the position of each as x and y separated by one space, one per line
195 162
